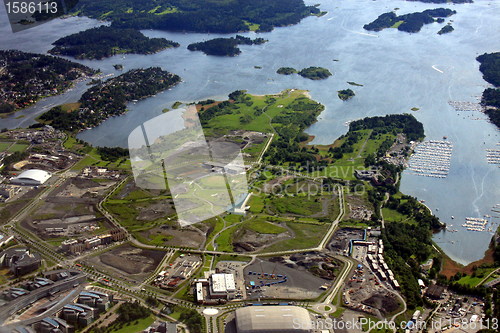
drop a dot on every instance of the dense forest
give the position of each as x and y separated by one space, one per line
102 42
396 123
224 46
26 77
109 98
409 244
411 22
315 73
490 67
198 15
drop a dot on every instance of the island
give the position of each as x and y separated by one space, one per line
225 46
354 84
346 94
109 99
103 42
411 22
490 67
286 70
312 73
446 29
315 73
198 15
27 77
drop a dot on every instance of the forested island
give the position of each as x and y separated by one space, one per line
411 22
27 77
102 42
286 71
198 15
490 67
446 29
346 94
315 73
312 73
224 46
109 98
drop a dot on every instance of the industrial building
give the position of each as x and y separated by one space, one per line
33 177
218 287
222 286
273 319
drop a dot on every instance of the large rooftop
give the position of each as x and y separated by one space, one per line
273 319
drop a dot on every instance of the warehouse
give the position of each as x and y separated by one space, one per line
273 319
33 177
222 286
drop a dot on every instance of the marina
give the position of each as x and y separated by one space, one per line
466 106
431 159
493 156
477 224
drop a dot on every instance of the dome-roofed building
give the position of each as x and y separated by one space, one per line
273 319
32 177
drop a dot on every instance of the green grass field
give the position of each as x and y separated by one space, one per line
344 168
299 205
225 240
4 145
392 215
264 227
12 147
307 235
260 123
480 274
137 326
256 204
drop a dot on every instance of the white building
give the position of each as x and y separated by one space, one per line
222 286
33 177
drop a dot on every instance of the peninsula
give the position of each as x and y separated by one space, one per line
27 77
109 98
198 15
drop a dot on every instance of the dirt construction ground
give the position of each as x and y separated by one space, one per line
129 261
